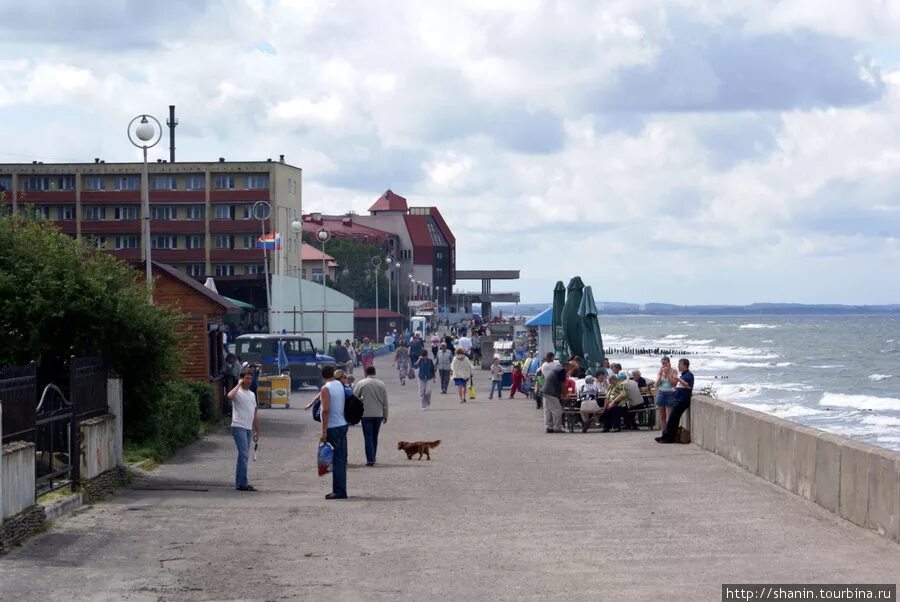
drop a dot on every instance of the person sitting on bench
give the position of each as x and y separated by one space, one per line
623 395
590 409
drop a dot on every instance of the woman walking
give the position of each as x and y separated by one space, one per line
461 371
368 353
401 360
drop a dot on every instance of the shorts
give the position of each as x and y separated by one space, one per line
460 382
665 399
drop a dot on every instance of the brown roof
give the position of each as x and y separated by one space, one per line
310 253
390 201
213 296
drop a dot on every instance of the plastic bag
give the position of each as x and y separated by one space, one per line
325 458
472 390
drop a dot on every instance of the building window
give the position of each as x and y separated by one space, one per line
197 270
196 212
225 241
256 182
98 242
256 268
224 212
43 211
249 241
36 183
65 183
128 183
5 183
164 242
317 275
195 241
127 242
94 212
163 183
94 183
66 212
195 182
163 212
247 211
126 212
292 185
222 182
224 269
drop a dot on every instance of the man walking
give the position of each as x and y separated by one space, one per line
426 377
372 392
443 360
683 390
341 356
244 426
334 431
554 379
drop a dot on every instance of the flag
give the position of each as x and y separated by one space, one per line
269 241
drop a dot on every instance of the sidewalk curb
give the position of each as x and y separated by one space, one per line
63 507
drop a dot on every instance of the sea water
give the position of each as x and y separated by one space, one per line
836 373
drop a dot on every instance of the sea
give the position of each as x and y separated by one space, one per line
836 373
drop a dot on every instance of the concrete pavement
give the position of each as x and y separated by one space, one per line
503 512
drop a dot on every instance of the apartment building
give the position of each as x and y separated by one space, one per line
201 218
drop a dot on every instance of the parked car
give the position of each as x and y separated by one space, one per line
304 362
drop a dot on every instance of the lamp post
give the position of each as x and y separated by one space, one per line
323 235
376 263
297 229
390 263
147 137
397 265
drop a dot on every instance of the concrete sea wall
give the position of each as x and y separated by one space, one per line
856 481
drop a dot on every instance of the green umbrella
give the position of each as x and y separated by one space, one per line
570 320
591 339
556 324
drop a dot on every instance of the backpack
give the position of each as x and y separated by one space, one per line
353 409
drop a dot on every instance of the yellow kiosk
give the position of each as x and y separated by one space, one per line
274 389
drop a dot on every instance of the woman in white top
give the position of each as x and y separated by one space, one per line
461 371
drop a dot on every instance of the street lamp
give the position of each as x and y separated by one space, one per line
323 235
390 263
147 137
297 229
376 262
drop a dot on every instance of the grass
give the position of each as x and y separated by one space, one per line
55 496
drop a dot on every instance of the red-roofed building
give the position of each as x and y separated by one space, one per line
418 238
312 263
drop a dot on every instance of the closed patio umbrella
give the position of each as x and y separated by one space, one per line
556 324
570 319
591 340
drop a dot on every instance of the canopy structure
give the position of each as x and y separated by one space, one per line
559 338
592 341
571 322
241 304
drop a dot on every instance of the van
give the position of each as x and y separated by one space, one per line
304 362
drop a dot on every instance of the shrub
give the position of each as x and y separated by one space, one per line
206 399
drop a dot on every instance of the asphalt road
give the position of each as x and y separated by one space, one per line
502 512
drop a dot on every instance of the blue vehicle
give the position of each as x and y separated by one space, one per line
304 362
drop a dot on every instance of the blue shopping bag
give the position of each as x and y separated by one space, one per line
325 458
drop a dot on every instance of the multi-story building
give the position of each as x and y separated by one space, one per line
417 238
201 218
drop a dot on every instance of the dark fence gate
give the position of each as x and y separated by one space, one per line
18 394
56 441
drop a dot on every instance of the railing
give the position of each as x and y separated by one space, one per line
56 442
18 392
87 386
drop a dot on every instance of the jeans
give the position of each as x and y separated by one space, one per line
370 428
425 393
498 386
337 437
445 380
553 413
242 439
675 418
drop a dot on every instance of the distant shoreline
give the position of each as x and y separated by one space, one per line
759 309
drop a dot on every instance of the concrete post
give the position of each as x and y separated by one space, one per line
1 460
114 400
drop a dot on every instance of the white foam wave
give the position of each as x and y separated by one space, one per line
879 377
796 411
887 421
670 337
757 326
828 366
860 402
737 392
715 364
784 364
698 342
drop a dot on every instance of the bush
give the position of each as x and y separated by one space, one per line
206 399
175 422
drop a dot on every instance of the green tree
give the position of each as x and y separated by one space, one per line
355 273
60 298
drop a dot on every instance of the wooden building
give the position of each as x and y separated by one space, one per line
364 323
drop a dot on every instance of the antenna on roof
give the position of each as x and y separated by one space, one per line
171 122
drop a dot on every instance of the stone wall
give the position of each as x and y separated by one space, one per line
17 480
103 484
854 480
19 527
98 446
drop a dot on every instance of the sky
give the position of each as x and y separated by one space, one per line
680 151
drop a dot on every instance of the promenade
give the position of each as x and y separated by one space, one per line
502 512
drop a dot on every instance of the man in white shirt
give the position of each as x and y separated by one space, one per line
466 344
244 426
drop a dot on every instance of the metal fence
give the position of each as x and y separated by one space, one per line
87 386
18 393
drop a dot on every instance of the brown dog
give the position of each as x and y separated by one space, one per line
417 447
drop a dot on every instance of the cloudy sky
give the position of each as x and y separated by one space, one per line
684 151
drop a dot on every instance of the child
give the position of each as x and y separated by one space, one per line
518 378
496 378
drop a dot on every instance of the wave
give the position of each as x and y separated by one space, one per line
670 337
888 421
860 402
828 366
757 326
880 377
784 364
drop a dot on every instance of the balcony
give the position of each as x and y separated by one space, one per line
231 196
47 197
102 197
126 254
118 226
178 255
236 255
66 226
237 226
178 196
177 226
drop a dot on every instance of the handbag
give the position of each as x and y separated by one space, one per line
411 374
317 410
